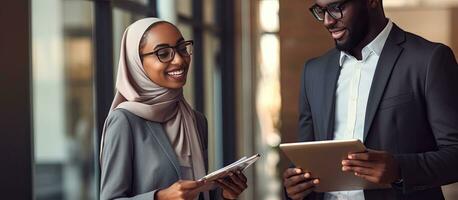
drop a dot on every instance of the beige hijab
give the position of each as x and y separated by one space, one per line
141 96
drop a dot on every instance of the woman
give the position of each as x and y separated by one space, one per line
154 143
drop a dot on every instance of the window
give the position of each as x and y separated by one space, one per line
268 99
64 61
62 99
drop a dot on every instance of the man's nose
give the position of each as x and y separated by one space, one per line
328 21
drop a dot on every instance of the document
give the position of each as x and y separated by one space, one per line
240 165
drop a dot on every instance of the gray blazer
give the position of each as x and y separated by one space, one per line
137 158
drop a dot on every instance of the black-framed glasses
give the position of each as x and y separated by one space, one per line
333 9
166 54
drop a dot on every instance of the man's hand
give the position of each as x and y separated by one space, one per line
298 183
374 166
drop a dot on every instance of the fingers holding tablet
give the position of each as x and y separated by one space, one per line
374 166
298 183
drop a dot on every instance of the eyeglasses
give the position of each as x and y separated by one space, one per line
166 54
333 9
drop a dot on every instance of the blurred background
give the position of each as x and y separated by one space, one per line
61 59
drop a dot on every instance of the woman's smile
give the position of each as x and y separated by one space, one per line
177 74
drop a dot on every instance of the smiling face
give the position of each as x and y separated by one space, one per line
170 74
352 28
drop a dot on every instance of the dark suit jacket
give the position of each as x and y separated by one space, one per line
412 112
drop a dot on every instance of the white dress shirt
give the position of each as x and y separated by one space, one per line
352 92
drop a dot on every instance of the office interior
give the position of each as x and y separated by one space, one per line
59 61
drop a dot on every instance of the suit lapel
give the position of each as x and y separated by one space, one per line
331 76
385 65
164 143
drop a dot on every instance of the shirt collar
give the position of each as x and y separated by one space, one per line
376 46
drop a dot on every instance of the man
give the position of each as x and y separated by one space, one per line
393 90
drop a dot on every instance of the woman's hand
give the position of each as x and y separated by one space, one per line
233 184
180 190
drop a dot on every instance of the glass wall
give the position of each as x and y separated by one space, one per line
268 100
121 19
62 99
212 98
63 102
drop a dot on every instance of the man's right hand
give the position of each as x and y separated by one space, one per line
298 183
181 190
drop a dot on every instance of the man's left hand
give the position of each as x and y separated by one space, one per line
374 166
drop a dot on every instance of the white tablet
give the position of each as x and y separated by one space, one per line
323 159
240 164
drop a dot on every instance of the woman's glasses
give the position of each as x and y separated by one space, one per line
166 54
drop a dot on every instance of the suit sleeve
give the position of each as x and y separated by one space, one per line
116 161
435 168
305 114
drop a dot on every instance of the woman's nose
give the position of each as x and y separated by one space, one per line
177 59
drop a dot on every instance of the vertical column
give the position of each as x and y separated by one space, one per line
103 76
152 7
16 119
225 20
198 60
245 80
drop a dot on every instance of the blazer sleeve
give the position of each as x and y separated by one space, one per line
435 168
306 132
116 161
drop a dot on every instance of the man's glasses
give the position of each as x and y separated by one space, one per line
166 54
333 9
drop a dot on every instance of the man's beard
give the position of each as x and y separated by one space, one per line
356 34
